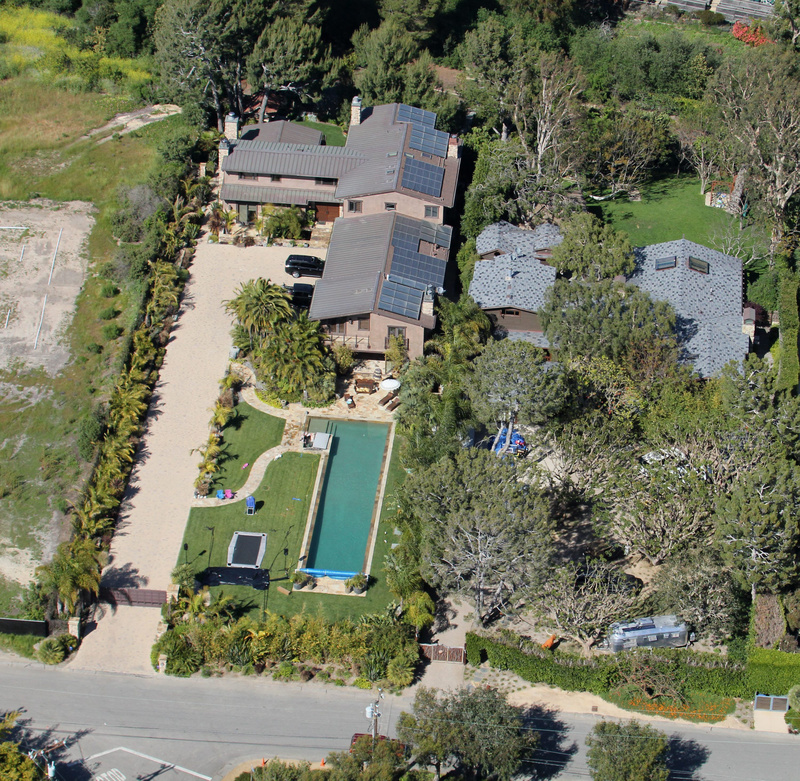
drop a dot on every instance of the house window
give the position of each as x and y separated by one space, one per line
511 313
275 178
432 212
662 263
249 176
396 331
336 328
362 323
390 207
354 207
695 264
321 181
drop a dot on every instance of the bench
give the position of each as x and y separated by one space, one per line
393 406
387 398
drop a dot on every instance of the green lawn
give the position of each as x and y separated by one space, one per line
245 438
334 135
284 519
671 208
718 37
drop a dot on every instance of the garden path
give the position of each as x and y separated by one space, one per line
153 516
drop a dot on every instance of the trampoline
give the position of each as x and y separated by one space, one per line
247 549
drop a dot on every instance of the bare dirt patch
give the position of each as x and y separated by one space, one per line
42 269
133 120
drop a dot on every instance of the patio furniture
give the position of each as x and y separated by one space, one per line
250 505
390 384
220 493
393 406
228 493
365 385
349 401
387 398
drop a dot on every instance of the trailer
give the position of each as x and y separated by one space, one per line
651 632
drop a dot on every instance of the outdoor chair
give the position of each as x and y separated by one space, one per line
393 406
220 494
250 505
387 398
229 494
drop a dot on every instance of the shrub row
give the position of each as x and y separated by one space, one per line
787 307
766 671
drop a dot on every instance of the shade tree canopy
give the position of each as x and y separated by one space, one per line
591 250
484 532
627 751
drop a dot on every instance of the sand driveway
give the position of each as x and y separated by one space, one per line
147 542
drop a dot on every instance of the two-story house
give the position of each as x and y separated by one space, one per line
394 161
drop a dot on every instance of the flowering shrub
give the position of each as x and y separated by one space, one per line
697 707
752 36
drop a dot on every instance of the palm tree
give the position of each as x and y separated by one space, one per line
464 330
75 568
258 306
215 221
229 219
293 359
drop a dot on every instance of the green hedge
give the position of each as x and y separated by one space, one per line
772 672
789 372
707 673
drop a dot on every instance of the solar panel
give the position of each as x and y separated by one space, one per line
413 265
428 140
400 299
423 177
412 231
419 116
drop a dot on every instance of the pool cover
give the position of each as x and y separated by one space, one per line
247 549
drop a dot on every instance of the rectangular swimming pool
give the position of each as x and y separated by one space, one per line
347 498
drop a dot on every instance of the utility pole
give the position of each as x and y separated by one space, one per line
373 714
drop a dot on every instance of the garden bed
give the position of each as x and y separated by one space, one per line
697 707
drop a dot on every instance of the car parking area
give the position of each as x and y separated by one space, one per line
126 764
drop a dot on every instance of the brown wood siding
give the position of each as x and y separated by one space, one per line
525 321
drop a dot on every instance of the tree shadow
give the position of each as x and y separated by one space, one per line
686 328
52 745
685 757
443 617
552 752
126 576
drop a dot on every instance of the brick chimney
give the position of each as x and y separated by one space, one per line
231 127
453 147
355 111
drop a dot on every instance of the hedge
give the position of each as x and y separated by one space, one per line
789 371
766 672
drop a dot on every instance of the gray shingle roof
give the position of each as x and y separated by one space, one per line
507 238
248 193
509 281
268 157
536 338
282 131
709 306
363 251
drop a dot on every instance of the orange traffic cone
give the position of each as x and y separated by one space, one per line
322 763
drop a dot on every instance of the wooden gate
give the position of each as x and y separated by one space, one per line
443 653
135 597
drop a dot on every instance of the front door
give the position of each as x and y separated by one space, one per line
327 212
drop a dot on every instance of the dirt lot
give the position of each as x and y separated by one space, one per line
42 269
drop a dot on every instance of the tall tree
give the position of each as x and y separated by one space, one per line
758 527
382 57
606 318
475 730
582 599
485 533
258 306
631 751
288 56
592 251
512 382
416 17
757 95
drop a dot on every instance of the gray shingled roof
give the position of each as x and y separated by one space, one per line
511 281
536 338
282 131
709 306
253 193
361 253
267 157
507 238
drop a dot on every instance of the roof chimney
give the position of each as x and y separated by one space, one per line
355 111
231 130
454 147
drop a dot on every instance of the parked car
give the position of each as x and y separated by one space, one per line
304 266
300 293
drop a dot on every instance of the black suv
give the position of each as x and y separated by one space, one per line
304 266
300 293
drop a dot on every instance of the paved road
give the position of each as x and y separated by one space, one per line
125 727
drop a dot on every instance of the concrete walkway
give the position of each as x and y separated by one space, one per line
159 498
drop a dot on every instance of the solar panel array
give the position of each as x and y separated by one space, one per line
418 267
409 229
400 299
416 115
423 177
428 140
